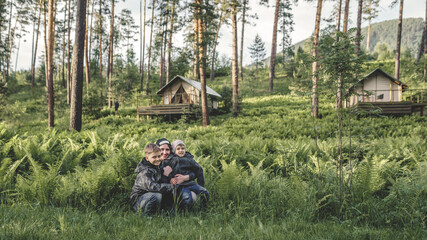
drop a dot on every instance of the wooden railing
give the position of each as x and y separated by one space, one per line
157 99
415 95
384 96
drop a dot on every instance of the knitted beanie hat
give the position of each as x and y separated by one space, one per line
176 143
162 141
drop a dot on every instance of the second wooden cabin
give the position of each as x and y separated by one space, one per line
380 91
377 86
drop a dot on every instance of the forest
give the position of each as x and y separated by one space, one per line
283 155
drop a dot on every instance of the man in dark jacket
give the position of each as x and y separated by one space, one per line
146 195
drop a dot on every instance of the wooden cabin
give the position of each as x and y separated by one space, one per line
380 91
180 96
181 90
377 87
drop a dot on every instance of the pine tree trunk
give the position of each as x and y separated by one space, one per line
283 43
68 53
91 30
17 53
147 83
425 45
86 50
34 59
273 47
63 49
2 20
78 59
202 57
32 49
345 23
164 41
162 35
196 72
165 44
9 53
399 37
245 2
168 71
212 76
421 48
49 50
10 38
359 26
425 31
100 46
368 35
344 29
235 64
143 48
3 43
339 15
315 98
140 36
45 42
110 56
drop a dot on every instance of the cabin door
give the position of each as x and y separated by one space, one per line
180 96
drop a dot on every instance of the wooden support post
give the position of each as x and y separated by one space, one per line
137 114
363 94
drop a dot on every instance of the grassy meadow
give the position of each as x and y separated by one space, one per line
272 171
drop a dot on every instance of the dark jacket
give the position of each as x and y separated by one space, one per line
148 180
185 165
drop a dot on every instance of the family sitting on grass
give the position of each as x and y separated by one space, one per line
166 180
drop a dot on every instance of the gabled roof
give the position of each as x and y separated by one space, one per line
193 83
379 70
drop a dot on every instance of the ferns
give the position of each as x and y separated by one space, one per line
261 164
406 203
367 176
229 184
39 184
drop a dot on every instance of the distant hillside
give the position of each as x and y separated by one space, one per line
386 32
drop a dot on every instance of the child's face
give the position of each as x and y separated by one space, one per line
180 150
154 158
166 151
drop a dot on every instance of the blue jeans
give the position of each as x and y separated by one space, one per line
187 200
148 203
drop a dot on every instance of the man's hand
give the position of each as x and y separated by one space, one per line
167 170
174 181
181 178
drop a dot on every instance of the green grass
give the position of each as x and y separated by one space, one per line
36 222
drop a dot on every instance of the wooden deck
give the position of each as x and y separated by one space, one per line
167 109
393 108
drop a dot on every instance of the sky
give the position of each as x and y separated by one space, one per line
304 19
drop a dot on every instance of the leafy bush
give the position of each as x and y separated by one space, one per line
225 104
92 105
